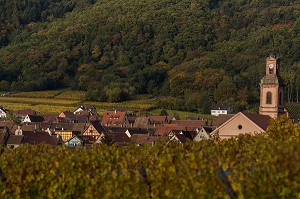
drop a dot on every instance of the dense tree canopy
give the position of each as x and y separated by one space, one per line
213 51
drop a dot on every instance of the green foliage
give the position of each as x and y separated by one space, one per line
265 165
163 112
213 48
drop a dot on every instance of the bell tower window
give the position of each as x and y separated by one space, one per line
271 71
269 98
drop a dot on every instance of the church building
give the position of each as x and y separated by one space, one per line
271 106
271 90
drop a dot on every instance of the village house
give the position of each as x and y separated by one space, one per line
3 112
152 121
115 119
220 109
75 141
94 130
21 114
242 123
177 136
86 108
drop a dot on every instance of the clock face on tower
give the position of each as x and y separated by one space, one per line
271 66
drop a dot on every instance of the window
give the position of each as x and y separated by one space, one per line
269 98
240 127
271 70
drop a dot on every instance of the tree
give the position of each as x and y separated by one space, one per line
163 112
4 85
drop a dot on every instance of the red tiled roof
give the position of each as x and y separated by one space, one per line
113 117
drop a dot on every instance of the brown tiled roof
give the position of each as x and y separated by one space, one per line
133 131
25 112
260 120
221 119
28 127
116 129
15 139
41 125
8 124
131 119
154 119
119 138
79 127
94 118
191 123
140 138
141 121
60 126
38 137
167 128
49 118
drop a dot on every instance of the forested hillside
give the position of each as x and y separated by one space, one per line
196 52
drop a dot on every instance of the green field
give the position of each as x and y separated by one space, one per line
66 100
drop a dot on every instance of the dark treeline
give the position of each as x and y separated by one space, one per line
195 52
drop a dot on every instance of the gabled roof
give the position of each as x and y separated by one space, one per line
8 124
38 137
62 126
119 138
220 107
192 123
116 129
74 137
89 108
180 137
99 127
15 139
221 119
36 118
141 121
79 127
113 117
49 118
3 109
68 114
159 119
25 112
190 134
260 120
133 131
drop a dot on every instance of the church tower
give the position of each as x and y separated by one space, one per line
271 89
